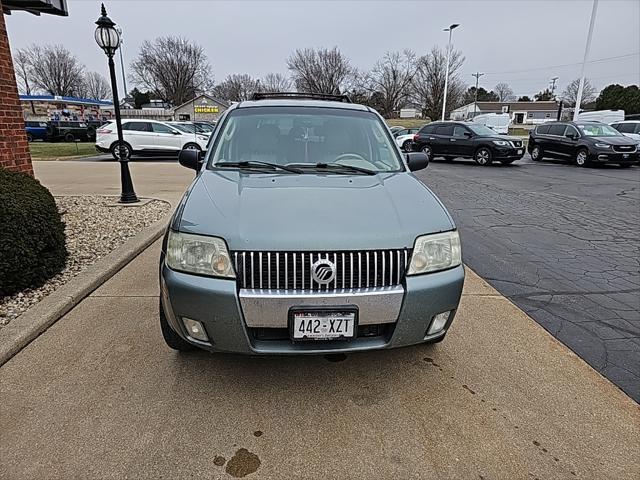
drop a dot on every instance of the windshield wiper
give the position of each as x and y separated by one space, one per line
257 164
337 167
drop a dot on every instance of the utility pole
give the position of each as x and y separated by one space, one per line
475 99
576 110
553 86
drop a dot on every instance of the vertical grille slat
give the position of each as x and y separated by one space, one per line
292 270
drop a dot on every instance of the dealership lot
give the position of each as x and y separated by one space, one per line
562 243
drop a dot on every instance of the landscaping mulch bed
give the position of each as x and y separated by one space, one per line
94 226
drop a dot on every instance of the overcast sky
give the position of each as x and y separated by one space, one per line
510 40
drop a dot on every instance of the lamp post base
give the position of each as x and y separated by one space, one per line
128 198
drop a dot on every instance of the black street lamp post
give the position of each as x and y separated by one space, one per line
108 40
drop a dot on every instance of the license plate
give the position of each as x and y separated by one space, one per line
322 325
520 152
625 155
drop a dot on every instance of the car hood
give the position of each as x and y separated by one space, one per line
621 140
255 211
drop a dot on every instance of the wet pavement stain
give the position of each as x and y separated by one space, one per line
336 357
257 433
219 461
431 361
243 463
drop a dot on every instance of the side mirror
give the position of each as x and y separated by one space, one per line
571 136
190 158
175 132
417 161
468 134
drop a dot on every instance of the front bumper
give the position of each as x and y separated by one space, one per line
217 304
508 153
608 156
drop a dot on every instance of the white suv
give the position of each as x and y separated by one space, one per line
145 137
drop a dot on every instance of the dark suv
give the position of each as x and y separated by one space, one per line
582 142
467 139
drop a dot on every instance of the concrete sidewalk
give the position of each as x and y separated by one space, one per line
99 395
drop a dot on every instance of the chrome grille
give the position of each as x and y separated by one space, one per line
516 143
292 270
624 148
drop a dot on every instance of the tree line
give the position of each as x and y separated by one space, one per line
174 69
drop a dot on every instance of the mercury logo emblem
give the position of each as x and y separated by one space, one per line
323 271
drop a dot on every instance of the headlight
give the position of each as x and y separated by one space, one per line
198 254
603 145
502 143
435 252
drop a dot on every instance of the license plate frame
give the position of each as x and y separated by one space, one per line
325 313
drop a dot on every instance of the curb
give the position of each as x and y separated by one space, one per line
28 326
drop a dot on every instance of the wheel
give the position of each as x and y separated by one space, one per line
582 157
29 138
536 154
483 156
428 151
69 137
171 338
192 146
407 146
115 151
507 162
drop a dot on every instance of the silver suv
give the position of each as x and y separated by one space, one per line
305 232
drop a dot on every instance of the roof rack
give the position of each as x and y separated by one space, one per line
313 96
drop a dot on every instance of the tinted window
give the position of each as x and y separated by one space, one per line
625 127
557 129
137 126
444 130
160 128
459 131
428 129
543 129
571 130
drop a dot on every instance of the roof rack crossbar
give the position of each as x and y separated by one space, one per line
313 96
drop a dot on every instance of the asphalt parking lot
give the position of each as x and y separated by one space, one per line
562 243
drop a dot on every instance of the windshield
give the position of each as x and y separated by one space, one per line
184 127
598 130
306 136
482 130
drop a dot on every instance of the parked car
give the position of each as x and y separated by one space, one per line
205 127
468 140
304 232
404 138
148 137
498 122
629 128
581 142
396 128
36 130
189 127
69 131
603 116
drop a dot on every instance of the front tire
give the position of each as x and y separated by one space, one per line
171 338
483 157
407 146
69 137
536 154
582 157
115 151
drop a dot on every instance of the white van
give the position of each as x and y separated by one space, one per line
604 116
499 122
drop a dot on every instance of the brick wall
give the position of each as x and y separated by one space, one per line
14 148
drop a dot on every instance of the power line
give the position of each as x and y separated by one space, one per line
605 59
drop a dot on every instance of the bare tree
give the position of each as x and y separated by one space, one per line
392 78
173 68
428 83
275 82
504 92
570 94
320 71
22 62
51 68
96 87
237 88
